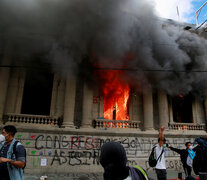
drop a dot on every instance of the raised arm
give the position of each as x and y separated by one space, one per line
161 133
161 136
179 151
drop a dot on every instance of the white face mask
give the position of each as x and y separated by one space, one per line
190 147
2 138
164 146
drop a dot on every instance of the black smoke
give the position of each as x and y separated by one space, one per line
64 32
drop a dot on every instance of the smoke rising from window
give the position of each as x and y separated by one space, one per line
64 32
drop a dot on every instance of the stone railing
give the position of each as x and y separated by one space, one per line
186 126
32 119
105 123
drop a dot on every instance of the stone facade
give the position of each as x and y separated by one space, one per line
75 151
68 148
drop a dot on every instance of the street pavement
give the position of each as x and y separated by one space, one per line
171 175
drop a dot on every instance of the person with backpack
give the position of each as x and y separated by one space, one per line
199 162
186 155
113 159
160 152
12 156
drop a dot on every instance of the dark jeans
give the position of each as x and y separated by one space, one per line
4 175
161 174
187 170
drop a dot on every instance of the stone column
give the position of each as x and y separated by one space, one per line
198 112
12 92
4 82
171 112
20 92
148 110
135 108
60 99
163 109
87 106
54 95
69 104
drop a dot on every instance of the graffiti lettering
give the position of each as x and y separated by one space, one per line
85 150
75 158
36 142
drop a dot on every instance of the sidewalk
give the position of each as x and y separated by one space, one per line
171 175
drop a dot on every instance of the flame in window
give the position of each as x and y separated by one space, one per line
116 94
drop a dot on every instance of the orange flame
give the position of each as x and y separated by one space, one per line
181 96
116 95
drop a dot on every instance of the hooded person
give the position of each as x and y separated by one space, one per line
199 162
113 159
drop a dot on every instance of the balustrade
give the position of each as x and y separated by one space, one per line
186 126
32 119
104 123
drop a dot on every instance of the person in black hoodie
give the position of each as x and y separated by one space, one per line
199 162
113 159
186 155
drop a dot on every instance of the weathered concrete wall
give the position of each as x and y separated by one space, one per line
78 151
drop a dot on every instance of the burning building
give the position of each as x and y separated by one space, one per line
84 73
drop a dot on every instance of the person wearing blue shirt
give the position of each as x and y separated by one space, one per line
11 163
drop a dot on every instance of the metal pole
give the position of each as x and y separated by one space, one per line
199 10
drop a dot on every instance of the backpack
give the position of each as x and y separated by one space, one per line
142 172
199 162
152 160
14 152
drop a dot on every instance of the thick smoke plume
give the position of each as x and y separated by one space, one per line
105 32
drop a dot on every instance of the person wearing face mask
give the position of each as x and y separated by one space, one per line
11 163
160 152
2 138
186 155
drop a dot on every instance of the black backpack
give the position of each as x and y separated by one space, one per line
199 162
14 152
152 160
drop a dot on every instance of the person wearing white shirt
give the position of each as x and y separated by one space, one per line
160 152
